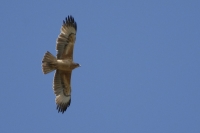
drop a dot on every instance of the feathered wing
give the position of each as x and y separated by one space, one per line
64 47
62 90
66 39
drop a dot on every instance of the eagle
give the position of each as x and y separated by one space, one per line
63 64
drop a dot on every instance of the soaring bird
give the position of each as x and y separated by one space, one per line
62 64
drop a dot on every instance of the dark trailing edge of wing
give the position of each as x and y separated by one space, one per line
69 21
63 107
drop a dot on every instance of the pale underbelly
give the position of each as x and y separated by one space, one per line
64 65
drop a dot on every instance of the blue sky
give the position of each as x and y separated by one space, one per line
139 71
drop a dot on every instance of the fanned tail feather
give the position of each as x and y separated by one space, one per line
49 63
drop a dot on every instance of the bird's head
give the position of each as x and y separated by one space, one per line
76 65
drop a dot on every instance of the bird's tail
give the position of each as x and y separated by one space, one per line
49 63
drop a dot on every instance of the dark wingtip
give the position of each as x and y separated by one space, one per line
63 107
69 21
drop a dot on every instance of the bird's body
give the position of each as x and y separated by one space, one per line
63 64
66 65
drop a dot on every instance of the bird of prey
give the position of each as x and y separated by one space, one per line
62 64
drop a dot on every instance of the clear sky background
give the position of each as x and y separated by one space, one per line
140 66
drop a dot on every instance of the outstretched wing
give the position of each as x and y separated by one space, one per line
66 39
62 90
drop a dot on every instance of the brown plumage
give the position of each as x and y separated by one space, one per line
63 64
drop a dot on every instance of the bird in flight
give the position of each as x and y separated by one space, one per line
62 64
